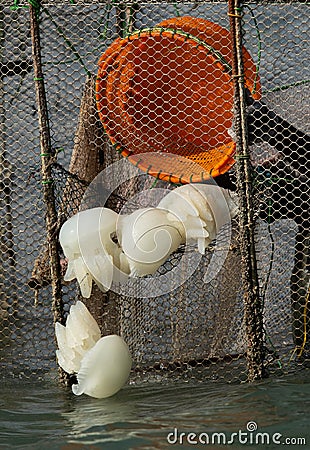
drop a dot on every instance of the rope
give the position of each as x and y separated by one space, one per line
259 50
34 3
68 42
305 324
176 9
16 6
226 67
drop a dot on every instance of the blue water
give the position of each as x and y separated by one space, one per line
44 415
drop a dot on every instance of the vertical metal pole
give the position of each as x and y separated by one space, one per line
46 160
253 308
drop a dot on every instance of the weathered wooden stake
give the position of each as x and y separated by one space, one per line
253 308
46 160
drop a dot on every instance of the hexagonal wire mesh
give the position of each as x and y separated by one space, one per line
195 331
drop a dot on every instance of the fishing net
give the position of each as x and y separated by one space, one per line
147 97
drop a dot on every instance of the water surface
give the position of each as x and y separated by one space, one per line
44 415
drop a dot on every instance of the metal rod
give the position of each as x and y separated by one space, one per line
253 313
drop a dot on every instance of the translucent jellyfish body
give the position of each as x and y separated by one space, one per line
101 364
147 237
202 209
86 239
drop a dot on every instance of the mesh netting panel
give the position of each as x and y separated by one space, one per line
196 330
279 150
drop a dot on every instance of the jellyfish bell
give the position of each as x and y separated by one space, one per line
104 369
147 237
219 201
86 239
189 205
202 208
101 364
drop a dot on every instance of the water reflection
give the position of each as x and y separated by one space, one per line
40 414
143 416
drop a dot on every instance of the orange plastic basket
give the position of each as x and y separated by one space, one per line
219 39
166 91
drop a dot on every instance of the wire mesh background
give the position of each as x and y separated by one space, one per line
196 331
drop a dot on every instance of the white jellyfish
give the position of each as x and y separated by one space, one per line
86 239
148 236
104 369
101 364
103 247
78 336
202 208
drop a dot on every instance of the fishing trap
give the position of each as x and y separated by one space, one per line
86 85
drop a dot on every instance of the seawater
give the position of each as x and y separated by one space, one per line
44 415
